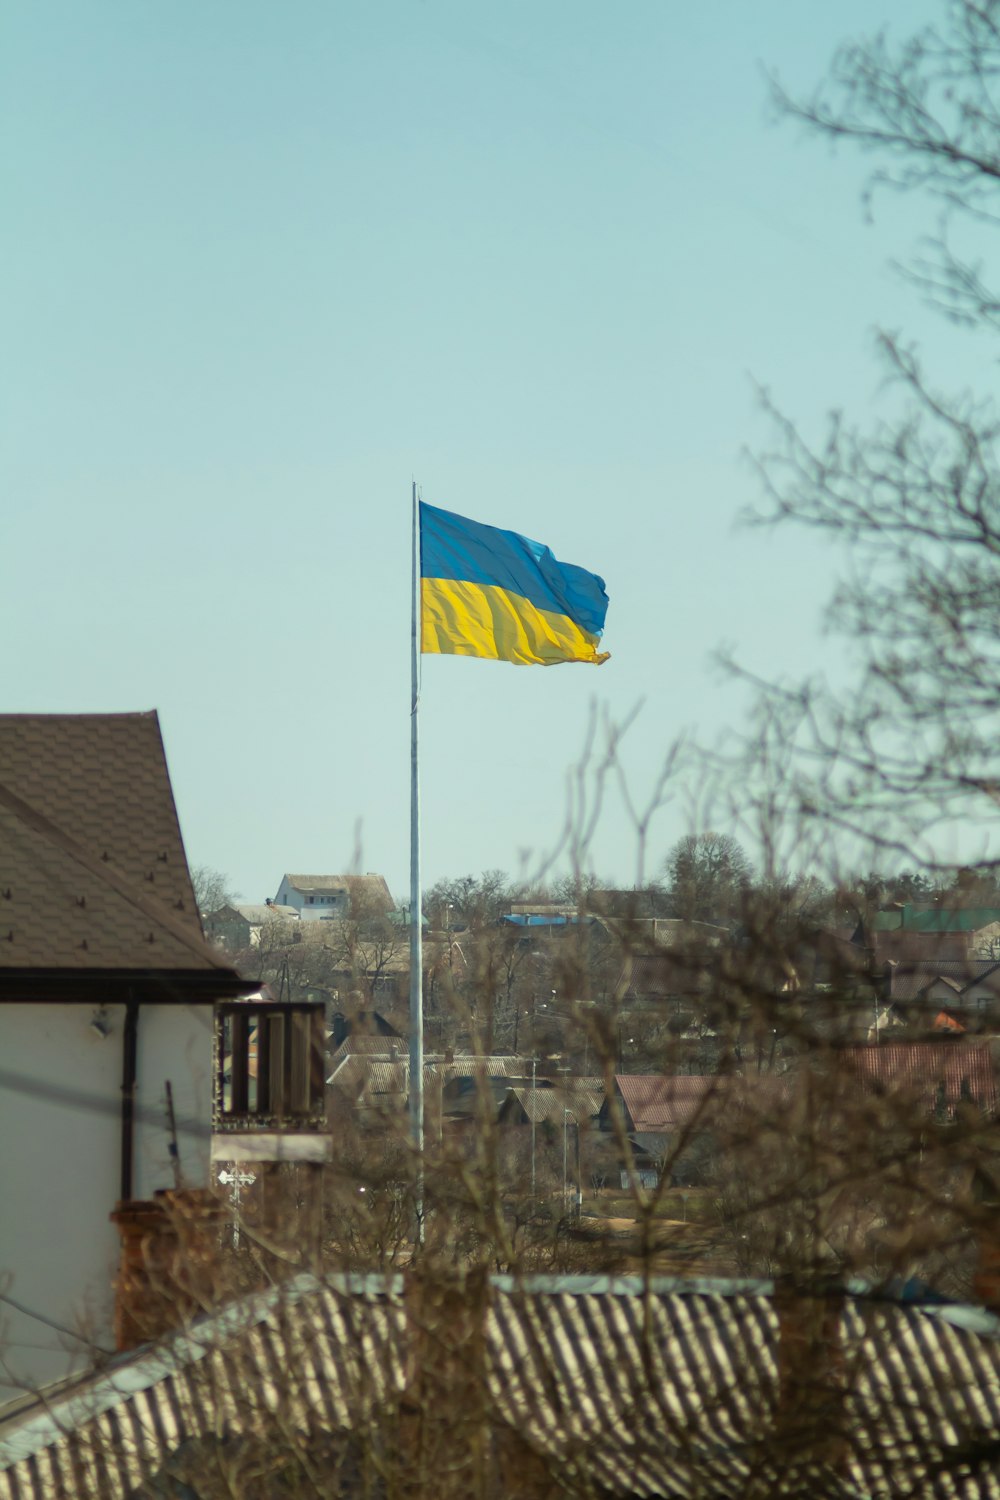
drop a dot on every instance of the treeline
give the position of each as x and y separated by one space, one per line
710 877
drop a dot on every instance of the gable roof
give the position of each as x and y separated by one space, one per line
259 912
94 881
372 887
552 1105
621 1387
909 980
655 1102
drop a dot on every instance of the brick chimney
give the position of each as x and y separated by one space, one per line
170 1264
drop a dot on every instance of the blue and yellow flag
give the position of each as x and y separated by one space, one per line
486 592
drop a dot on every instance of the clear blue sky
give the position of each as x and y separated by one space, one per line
263 264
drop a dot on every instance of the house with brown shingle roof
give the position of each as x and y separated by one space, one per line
107 989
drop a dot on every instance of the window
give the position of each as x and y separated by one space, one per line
270 1062
312 900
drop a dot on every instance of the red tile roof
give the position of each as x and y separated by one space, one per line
932 1073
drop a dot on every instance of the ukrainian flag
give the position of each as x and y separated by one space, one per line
486 592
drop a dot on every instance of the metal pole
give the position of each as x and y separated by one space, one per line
130 1050
565 1157
175 1157
534 1065
416 1079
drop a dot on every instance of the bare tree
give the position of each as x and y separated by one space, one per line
796 1167
212 888
912 746
706 876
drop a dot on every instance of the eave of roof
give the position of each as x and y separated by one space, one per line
116 986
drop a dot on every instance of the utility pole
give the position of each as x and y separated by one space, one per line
534 1065
236 1179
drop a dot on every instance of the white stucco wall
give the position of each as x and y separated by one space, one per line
60 1166
175 1043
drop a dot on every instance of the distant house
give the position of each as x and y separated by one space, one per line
237 928
650 978
365 1030
548 1105
317 898
933 933
969 983
652 1102
672 1118
371 1072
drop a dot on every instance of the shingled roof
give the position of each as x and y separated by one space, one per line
585 1386
94 885
908 980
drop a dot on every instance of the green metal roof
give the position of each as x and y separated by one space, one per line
936 919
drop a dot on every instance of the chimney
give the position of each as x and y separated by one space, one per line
168 1271
810 1416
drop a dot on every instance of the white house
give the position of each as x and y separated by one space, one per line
107 996
333 897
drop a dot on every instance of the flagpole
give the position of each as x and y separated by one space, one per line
416 919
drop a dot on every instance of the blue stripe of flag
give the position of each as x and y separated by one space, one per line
465 551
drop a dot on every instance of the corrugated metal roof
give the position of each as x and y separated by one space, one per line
385 1077
617 1387
958 919
550 1105
362 1077
372 1047
361 1043
468 1067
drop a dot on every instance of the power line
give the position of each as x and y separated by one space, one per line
87 1099
50 1323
